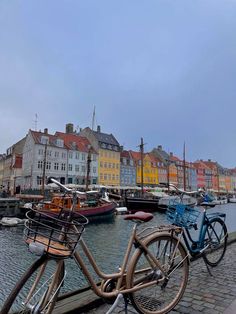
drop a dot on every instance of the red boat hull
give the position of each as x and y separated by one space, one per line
103 210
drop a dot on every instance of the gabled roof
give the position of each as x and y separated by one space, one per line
200 164
37 138
106 138
175 158
158 151
211 164
75 141
152 157
125 154
135 155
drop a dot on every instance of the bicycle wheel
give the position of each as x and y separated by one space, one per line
216 241
37 290
166 291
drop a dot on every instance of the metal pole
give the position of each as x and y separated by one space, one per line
141 153
44 169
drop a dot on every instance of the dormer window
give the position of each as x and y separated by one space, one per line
44 139
73 145
59 142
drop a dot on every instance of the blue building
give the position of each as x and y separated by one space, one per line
127 169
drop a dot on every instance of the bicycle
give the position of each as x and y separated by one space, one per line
153 277
212 238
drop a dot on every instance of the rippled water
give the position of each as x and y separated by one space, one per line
107 241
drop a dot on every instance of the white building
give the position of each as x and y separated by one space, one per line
63 156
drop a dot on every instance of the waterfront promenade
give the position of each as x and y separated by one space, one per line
204 294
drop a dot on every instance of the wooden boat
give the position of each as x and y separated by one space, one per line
90 208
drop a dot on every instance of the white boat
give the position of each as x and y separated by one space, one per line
121 210
220 201
232 199
11 221
167 200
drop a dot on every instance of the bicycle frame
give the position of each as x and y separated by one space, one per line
197 246
118 276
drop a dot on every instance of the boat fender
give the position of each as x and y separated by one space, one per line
36 248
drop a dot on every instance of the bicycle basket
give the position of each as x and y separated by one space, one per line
182 215
57 236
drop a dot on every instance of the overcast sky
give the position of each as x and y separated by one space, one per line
161 70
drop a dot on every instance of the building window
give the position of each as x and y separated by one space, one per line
40 164
48 165
56 166
70 155
83 168
101 164
94 169
63 155
83 156
94 157
77 168
70 167
39 180
63 166
56 154
76 155
40 151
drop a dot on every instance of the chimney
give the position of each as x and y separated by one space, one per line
171 154
45 131
159 147
98 128
69 128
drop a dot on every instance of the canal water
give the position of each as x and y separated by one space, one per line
107 241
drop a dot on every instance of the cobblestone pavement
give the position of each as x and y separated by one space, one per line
204 293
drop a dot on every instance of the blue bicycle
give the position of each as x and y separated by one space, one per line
212 238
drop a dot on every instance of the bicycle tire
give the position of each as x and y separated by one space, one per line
45 295
216 240
160 297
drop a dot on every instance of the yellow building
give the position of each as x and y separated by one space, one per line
150 169
108 150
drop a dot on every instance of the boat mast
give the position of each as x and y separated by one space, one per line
44 169
141 155
168 173
184 168
88 168
93 119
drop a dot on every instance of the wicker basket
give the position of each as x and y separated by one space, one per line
57 236
182 215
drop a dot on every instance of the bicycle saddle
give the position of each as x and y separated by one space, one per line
141 216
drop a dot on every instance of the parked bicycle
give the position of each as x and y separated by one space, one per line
212 238
153 277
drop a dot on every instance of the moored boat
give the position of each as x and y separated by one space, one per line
90 208
167 200
11 221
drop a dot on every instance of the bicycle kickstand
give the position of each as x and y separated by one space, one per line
208 268
115 304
